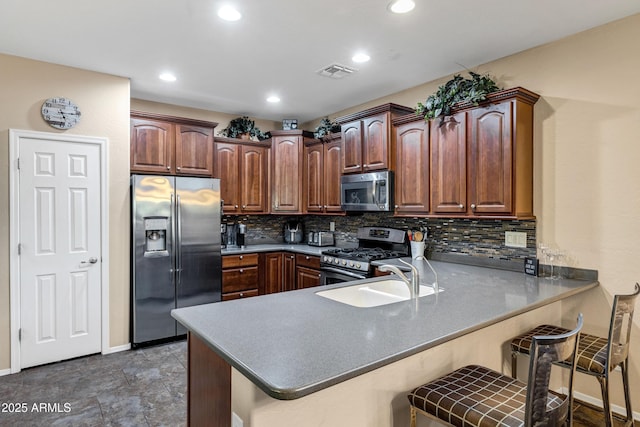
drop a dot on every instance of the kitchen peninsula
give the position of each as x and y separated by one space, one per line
296 358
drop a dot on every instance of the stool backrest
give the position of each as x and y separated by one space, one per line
620 328
545 350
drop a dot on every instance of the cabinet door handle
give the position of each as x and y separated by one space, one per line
168 168
241 270
236 206
306 257
473 207
241 294
396 206
241 257
461 206
244 206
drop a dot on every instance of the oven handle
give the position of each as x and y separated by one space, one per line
345 272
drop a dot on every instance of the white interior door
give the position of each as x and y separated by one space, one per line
60 250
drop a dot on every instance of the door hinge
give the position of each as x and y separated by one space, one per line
18 163
20 334
19 248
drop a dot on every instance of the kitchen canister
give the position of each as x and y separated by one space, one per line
417 249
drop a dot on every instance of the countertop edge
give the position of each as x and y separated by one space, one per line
280 393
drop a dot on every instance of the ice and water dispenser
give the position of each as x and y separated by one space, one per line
155 230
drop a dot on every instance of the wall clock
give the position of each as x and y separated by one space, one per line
60 113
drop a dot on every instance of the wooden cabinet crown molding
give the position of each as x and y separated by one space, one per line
395 109
173 119
297 132
226 140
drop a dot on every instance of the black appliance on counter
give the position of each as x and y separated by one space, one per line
374 243
293 231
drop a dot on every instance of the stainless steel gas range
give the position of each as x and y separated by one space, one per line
374 243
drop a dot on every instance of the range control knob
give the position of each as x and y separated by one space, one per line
350 263
344 262
358 265
337 261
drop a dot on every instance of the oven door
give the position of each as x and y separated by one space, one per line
331 275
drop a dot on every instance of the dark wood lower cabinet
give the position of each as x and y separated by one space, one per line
208 386
284 271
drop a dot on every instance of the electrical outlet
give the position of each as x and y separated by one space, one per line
332 226
514 239
236 421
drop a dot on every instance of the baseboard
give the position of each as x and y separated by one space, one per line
118 349
5 372
620 410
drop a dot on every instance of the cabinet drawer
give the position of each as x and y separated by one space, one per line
310 261
239 279
232 261
238 295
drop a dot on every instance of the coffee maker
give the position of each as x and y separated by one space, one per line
293 232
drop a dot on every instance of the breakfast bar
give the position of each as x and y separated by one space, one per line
297 358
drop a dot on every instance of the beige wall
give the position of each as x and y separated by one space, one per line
104 101
587 161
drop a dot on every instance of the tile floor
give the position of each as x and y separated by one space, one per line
145 387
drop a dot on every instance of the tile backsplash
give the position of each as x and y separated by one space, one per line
482 238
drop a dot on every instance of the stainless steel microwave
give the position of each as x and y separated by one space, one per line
371 192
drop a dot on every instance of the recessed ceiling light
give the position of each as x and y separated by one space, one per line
167 77
360 57
228 13
273 99
401 6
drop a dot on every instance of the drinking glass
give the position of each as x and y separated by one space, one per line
555 257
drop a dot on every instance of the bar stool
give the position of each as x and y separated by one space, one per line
478 396
596 356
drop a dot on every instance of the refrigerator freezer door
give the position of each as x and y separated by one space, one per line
198 256
153 290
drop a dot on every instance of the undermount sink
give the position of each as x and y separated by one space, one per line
374 294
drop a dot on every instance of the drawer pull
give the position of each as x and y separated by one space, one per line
241 295
241 270
307 258
241 257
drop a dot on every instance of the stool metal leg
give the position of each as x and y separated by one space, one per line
604 385
627 397
514 364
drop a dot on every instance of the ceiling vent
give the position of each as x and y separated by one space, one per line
336 71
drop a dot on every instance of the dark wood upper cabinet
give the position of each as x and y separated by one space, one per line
171 145
152 146
322 170
491 159
194 150
412 166
287 164
367 138
482 158
243 169
449 164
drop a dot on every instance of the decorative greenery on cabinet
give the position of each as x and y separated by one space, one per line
244 126
458 89
326 128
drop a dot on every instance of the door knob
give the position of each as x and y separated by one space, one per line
91 260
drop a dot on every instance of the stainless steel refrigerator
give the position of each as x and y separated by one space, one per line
176 260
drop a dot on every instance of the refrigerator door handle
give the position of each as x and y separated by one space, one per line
179 241
172 224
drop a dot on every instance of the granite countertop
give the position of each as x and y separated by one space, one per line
277 247
292 344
